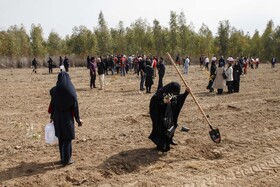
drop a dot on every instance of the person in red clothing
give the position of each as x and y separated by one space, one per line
154 66
123 65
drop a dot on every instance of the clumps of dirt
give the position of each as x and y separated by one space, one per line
232 107
210 153
119 167
272 100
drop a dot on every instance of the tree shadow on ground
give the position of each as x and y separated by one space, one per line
28 169
130 161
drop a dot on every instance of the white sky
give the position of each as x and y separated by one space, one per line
62 15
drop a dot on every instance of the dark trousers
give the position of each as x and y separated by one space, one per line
230 86
50 69
148 89
220 91
142 81
159 82
92 80
65 149
236 86
209 86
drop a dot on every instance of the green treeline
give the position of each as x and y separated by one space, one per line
141 38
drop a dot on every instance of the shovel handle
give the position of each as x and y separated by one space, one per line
195 100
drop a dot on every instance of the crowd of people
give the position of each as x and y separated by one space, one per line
146 67
165 104
226 73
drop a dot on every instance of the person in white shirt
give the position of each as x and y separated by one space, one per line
186 65
207 63
229 73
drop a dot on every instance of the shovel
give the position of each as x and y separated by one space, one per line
214 132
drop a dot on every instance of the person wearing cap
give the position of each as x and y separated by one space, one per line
229 72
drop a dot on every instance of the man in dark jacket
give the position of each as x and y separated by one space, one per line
161 72
92 72
66 64
34 64
165 106
50 62
63 107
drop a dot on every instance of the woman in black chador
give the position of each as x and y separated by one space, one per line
165 106
212 75
63 108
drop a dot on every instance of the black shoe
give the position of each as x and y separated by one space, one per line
173 143
68 163
185 129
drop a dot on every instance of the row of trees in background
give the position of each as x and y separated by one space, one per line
141 38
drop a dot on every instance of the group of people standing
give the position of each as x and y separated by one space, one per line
144 66
64 64
225 75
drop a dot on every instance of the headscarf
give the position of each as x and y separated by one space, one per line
171 88
65 93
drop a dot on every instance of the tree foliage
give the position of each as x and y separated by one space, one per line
141 38
103 36
223 36
37 41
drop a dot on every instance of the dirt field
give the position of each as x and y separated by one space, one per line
113 149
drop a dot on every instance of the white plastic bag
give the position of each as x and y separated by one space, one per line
62 68
50 134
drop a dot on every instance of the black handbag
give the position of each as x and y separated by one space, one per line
168 122
225 75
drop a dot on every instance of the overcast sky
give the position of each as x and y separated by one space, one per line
62 15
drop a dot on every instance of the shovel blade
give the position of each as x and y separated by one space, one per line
215 135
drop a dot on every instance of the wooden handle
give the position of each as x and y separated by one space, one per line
195 100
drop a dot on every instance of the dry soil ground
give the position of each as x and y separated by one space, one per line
113 149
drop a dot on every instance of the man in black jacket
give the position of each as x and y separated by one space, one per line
161 72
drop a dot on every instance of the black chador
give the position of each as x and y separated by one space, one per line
165 114
64 108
